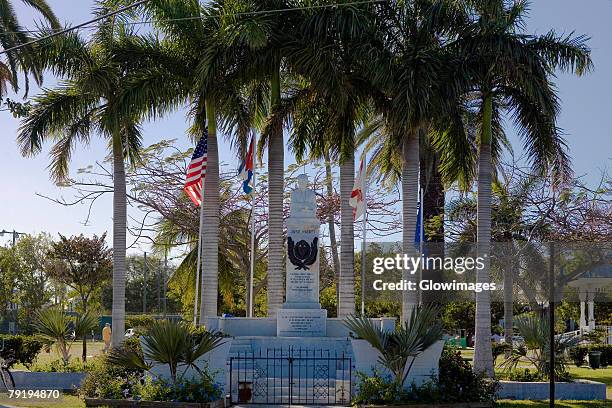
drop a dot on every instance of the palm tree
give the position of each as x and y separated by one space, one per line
335 103
267 38
62 330
535 331
168 343
13 35
510 66
84 103
409 61
197 64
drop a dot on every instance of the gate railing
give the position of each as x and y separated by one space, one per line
291 376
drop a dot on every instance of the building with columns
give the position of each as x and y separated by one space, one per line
591 285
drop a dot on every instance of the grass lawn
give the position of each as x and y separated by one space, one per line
558 404
603 375
65 401
94 348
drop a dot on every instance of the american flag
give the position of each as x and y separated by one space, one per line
196 172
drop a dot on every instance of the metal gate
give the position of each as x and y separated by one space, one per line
291 376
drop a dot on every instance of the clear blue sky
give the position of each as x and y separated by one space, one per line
586 118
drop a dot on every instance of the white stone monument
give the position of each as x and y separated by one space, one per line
301 315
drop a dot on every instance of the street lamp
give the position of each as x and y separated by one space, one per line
15 234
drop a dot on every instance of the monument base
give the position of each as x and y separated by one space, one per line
301 323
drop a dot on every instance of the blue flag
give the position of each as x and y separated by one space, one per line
419 234
246 170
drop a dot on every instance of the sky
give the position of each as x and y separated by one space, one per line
586 119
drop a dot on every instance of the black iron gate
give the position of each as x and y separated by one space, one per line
291 376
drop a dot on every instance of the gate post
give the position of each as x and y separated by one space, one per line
231 380
290 360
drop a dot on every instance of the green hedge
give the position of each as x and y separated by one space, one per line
579 354
21 348
138 321
606 353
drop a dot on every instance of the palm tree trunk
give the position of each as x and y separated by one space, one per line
410 194
509 271
84 353
483 356
332 227
276 185
346 296
508 306
210 230
433 206
119 230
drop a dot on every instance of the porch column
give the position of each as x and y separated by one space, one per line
582 324
592 311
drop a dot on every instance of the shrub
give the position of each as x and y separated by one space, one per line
197 389
377 389
606 353
110 381
525 375
578 355
456 382
20 349
139 322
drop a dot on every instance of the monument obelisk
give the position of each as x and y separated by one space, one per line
301 314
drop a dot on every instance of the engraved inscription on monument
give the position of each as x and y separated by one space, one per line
301 322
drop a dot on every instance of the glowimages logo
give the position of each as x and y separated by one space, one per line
410 265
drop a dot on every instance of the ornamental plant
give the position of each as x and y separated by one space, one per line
536 347
399 349
173 344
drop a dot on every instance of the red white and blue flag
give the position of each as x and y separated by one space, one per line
357 199
245 171
196 172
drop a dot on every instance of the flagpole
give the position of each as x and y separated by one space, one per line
252 269
198 264
363 243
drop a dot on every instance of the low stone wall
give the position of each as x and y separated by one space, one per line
92 402
26 380
454 405
266 326
577 390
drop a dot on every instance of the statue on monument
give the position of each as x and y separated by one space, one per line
303 200
302 254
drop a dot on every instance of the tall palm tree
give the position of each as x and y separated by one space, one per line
510 66
284 46
336 104
267 36
408 59
83 104
13 35
198 62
